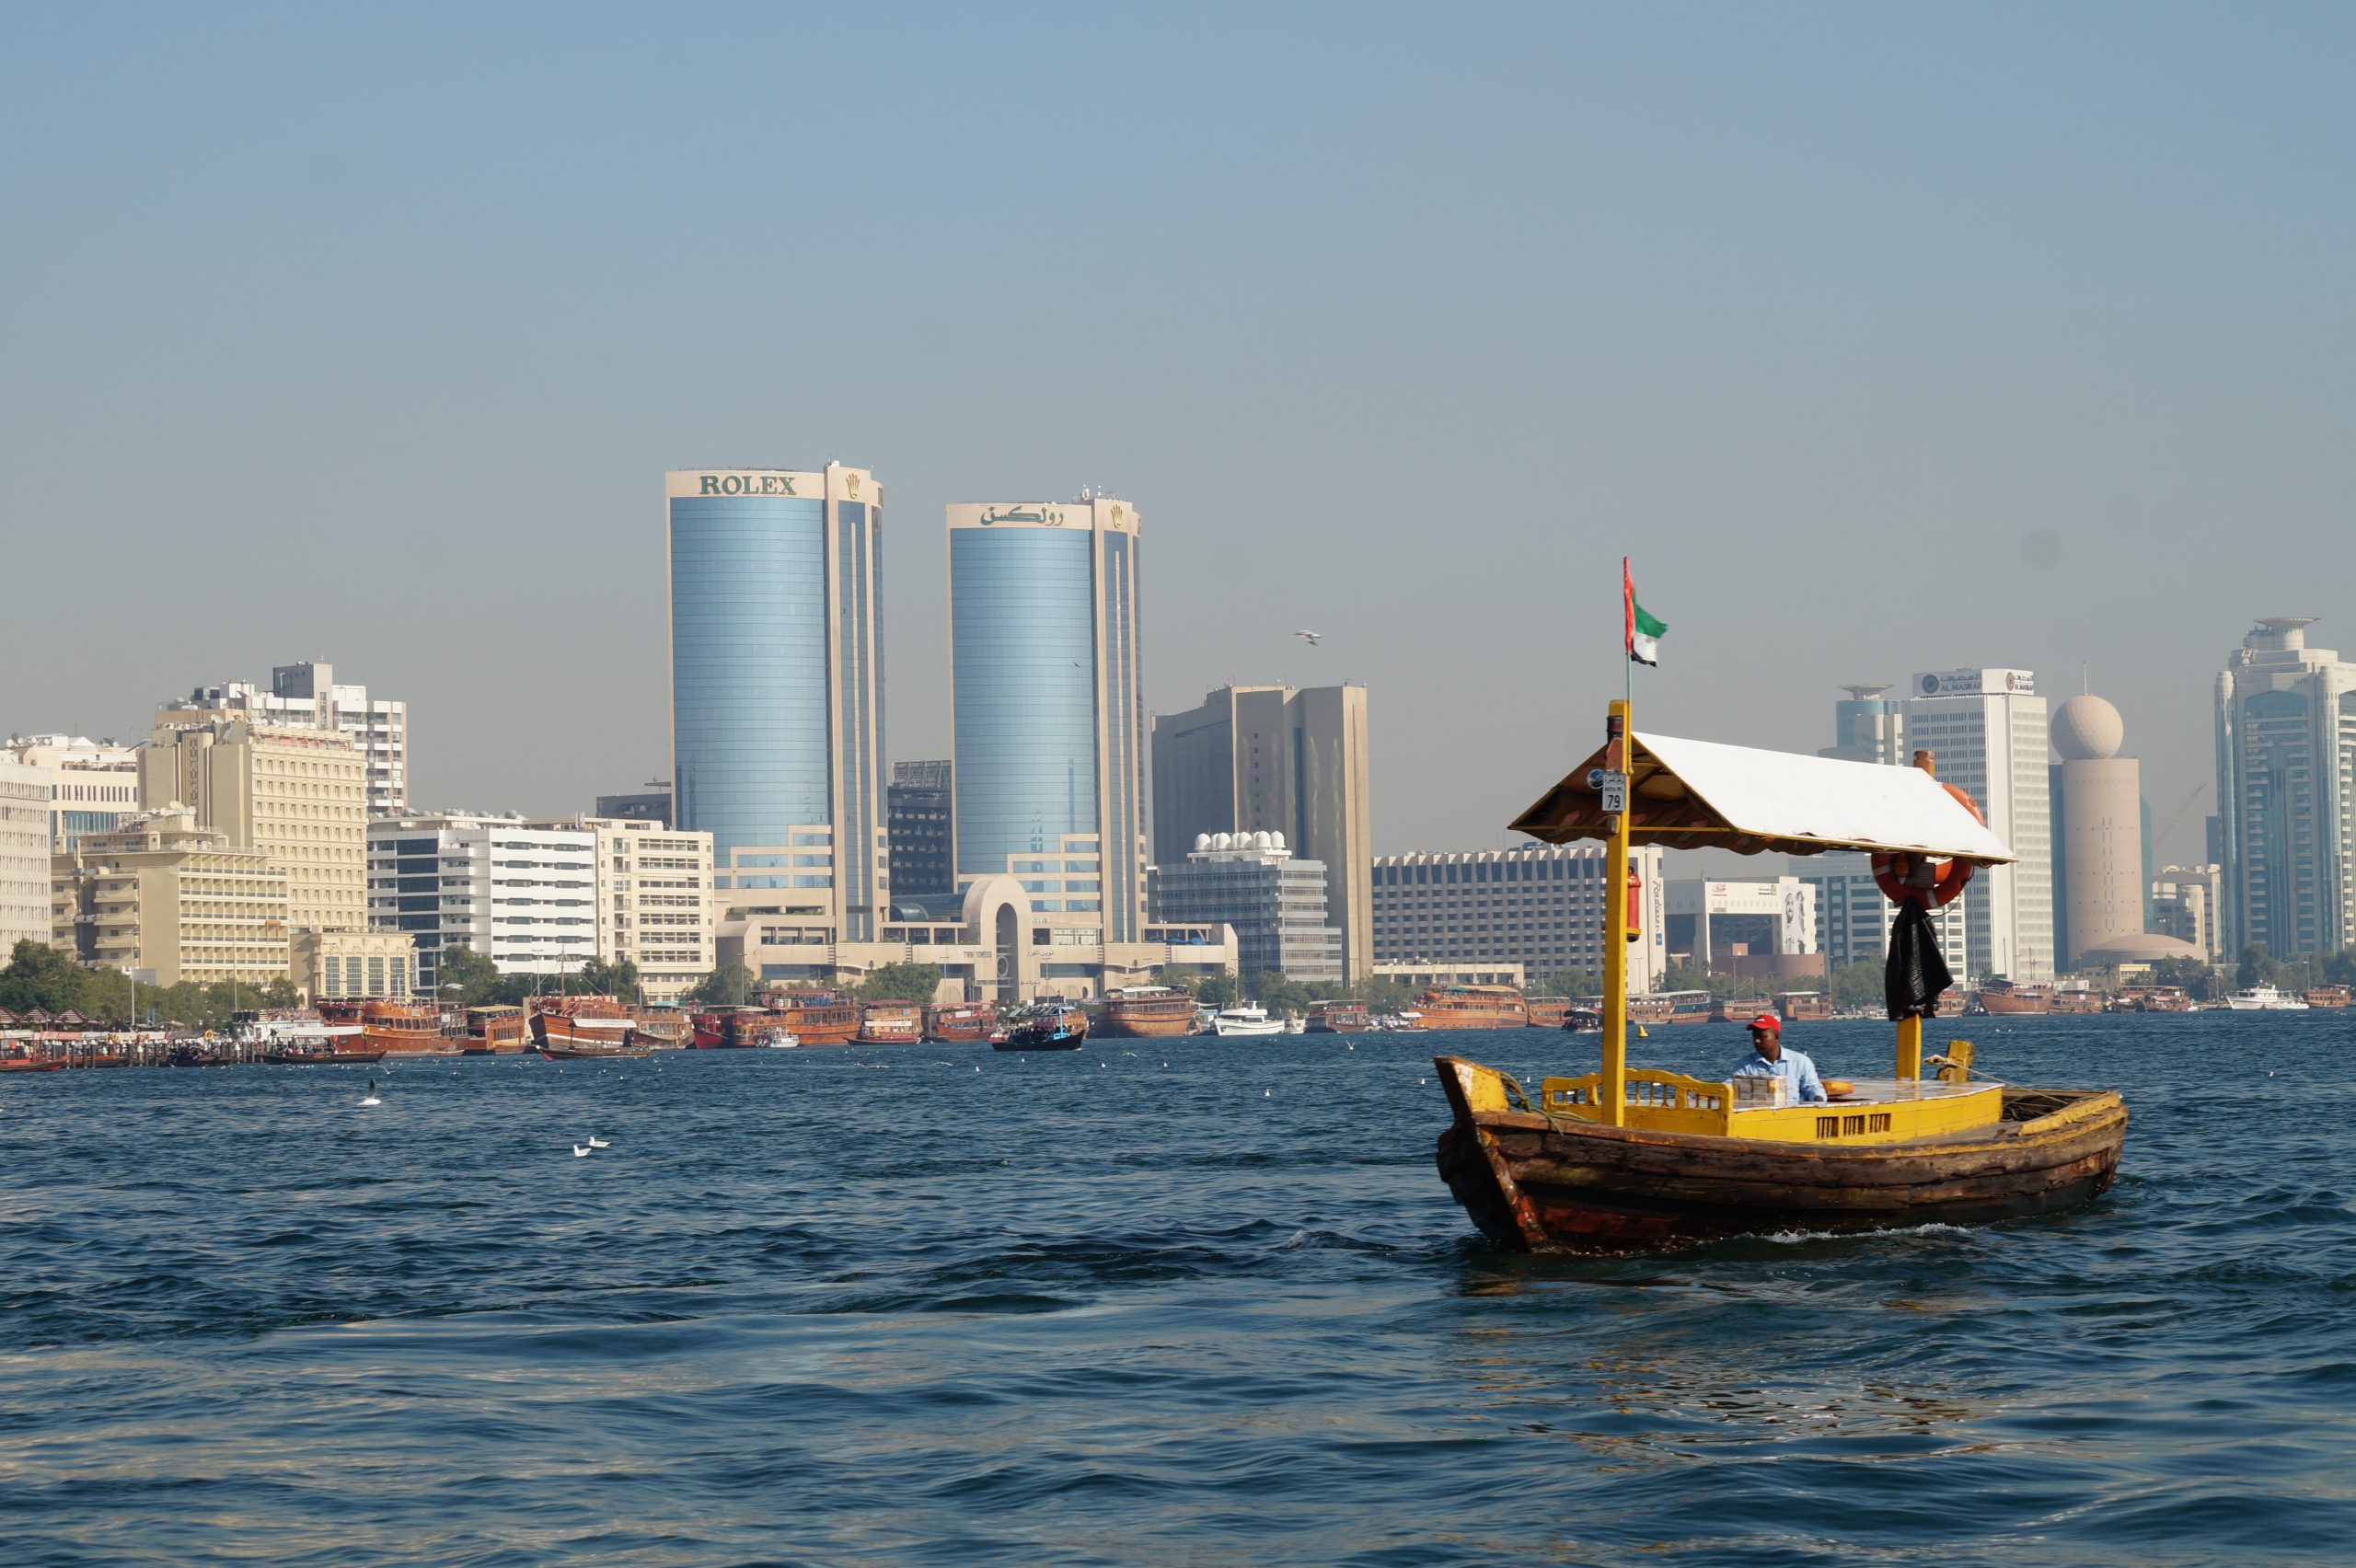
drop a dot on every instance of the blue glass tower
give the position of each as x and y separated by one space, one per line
1049 704
777 681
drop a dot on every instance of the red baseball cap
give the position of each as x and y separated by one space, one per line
1768 1021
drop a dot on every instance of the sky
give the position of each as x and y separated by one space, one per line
1882 339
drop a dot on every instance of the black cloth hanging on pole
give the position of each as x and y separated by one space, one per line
1916 973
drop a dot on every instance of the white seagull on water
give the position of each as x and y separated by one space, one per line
580 1153
599 1143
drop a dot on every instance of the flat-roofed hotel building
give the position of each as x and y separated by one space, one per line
776 686
1050 718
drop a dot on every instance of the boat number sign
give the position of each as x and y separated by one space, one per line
1612 787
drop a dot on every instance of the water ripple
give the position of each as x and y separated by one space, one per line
861 1308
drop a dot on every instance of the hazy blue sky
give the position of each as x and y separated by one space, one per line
1884 339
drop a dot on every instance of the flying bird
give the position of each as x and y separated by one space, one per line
1310 636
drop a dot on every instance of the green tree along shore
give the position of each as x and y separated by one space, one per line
38 975
466 978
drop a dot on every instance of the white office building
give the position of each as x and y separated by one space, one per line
1715 922
94 785
1276 904
25 912
655 907
1987 730
2286 792
307 695
1540 906
1852 916
523 896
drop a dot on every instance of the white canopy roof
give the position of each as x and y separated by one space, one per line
1702 795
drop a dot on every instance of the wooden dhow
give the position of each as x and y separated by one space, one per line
564 1025
1148 1012
890 1023
1629 1159
962 1023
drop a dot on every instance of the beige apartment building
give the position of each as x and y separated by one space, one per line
325 965
299 795
24 854
654 904
169 901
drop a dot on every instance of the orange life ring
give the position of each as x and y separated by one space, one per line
1894 874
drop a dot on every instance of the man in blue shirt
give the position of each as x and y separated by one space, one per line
1769 1059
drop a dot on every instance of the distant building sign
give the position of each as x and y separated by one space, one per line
747 484
1977 683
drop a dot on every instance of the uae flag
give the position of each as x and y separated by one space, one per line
1644 630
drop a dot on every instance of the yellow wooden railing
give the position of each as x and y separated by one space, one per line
1658 1100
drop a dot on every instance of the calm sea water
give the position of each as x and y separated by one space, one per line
1158 1302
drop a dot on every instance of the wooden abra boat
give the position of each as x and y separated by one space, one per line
1803 1007
1148 1012
1625 1158
1547 1178
319 1057
1045 1026
1338 1018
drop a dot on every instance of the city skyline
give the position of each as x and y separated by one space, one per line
1862 388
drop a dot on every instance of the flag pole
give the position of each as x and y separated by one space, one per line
1618 756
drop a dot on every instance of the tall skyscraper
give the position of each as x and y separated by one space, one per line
777 684
308 694
1987 730
1274 759
2286 791
1050 718
1868 727
2101 882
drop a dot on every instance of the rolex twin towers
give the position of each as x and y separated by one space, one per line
776 709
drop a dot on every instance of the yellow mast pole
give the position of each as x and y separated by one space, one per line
1615 1087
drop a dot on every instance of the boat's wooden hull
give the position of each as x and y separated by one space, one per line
1164 1023
1538 1185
